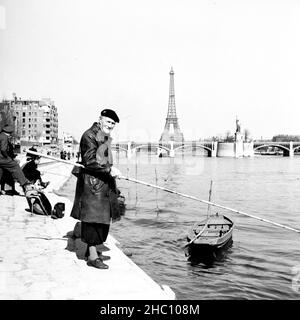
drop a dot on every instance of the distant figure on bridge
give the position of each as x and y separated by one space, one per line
96 196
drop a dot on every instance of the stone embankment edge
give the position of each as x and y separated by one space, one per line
53 196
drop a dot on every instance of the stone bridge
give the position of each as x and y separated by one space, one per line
288 147
171 148
168 149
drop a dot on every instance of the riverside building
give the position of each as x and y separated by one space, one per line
36 121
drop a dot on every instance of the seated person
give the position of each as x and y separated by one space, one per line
30 169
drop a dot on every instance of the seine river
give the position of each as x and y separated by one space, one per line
263 261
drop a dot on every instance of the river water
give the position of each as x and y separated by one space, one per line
263 261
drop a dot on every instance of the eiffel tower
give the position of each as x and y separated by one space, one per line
171 131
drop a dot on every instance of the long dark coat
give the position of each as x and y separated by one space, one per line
96 198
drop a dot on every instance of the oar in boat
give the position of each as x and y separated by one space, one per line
198 235
174 192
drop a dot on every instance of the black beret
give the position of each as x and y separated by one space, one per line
110 114
8 128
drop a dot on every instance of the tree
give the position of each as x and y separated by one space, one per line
229 137
285 137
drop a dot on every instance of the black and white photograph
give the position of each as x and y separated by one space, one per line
149 151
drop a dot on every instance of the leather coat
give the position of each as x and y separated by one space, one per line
96 195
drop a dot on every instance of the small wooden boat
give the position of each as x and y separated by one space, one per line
212 233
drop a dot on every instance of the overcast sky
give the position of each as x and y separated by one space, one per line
230 58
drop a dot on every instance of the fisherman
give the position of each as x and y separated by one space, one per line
10 164
30 169
96 196
7 178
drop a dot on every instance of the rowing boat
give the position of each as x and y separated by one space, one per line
212 233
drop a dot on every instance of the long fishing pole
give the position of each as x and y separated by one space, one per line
172 191
54 158
209 203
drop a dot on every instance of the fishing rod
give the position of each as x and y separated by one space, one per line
172 191
209 203
54 158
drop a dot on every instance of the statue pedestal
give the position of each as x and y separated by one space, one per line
239 149
239 145
238 137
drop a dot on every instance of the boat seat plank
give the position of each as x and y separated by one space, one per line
219 224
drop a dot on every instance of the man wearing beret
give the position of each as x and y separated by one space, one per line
96 195
7 162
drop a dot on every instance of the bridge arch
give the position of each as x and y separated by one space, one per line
157 146
272 145
199 146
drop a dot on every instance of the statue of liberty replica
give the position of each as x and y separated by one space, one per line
238 134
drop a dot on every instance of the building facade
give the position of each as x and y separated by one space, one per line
36 121
6 114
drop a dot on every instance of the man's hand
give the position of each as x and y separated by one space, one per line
116 173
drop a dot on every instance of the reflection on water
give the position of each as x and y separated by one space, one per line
207 258
258 263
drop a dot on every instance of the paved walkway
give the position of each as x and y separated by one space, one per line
38 260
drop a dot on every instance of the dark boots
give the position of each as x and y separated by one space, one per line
97 263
